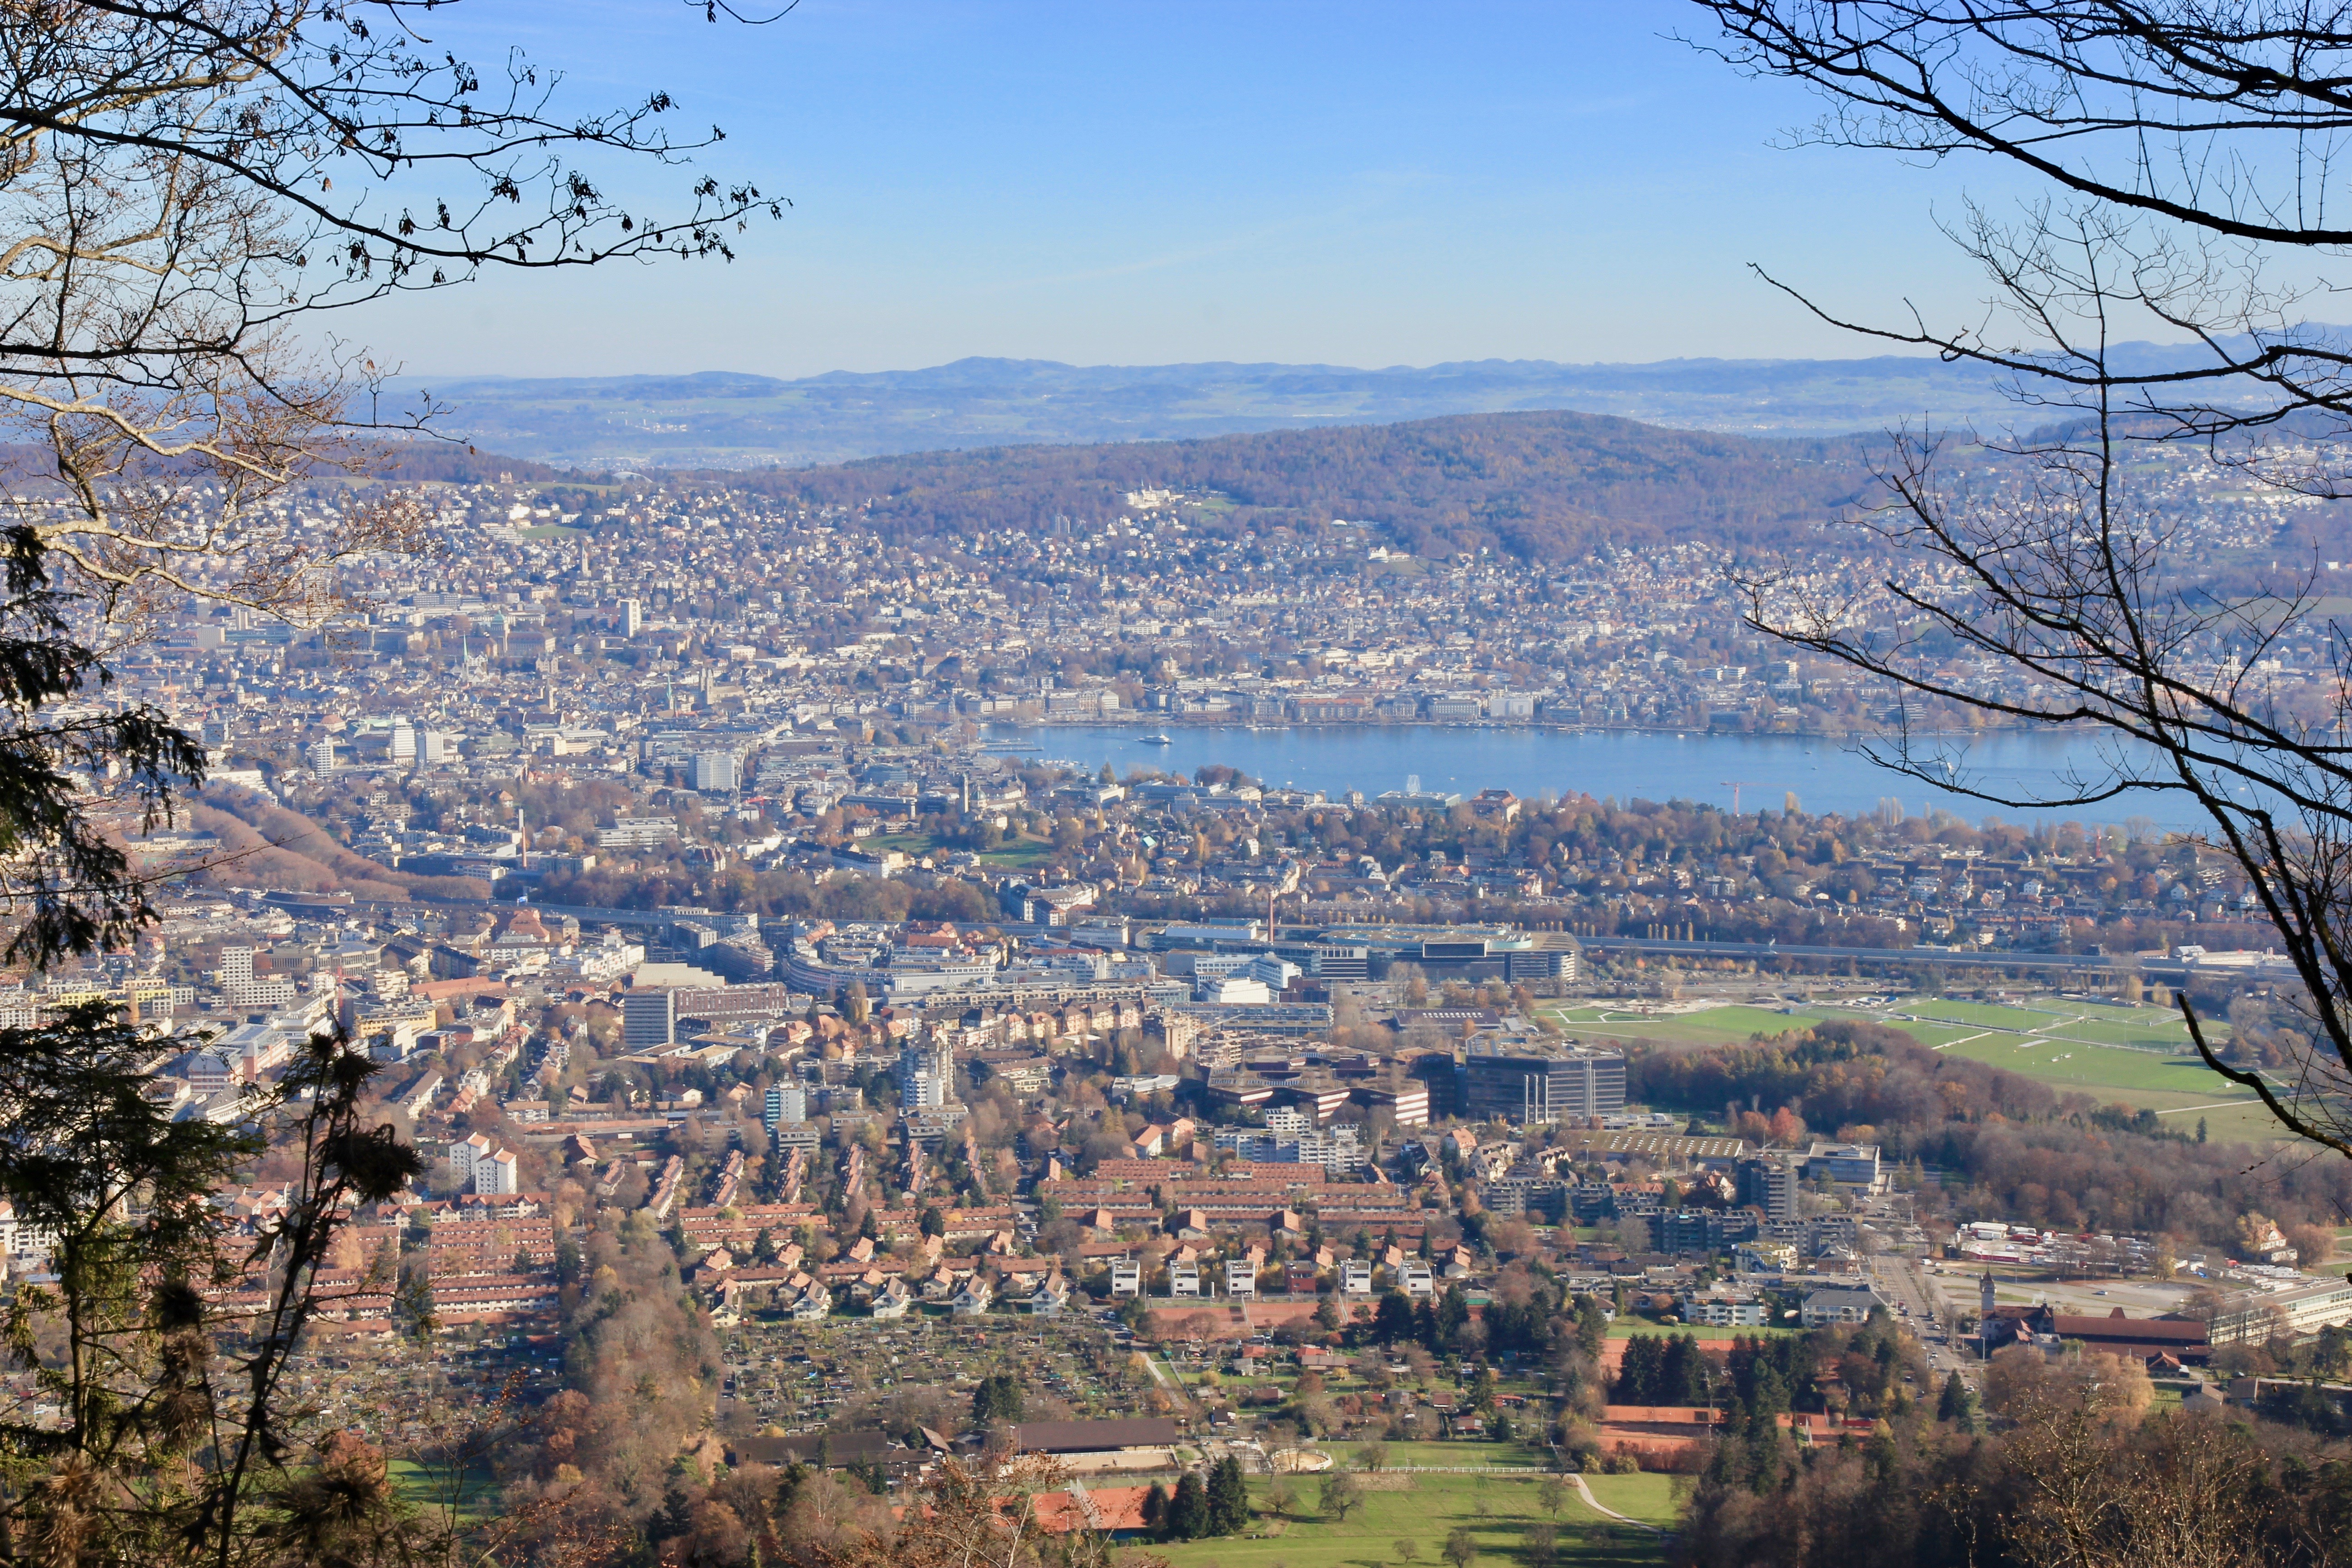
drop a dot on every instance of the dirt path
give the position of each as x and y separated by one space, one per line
1593 1503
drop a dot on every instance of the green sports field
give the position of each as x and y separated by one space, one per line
1394 1529
1018 854
2136 1054
1937 1034
2182 1090
2057 1059
2164 1035
1983 1015
2139 1056
1712 1027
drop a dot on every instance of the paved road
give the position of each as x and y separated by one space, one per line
1898 1281
1904 1279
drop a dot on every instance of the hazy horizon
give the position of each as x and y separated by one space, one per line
1307 185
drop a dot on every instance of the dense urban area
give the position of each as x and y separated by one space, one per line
822 1089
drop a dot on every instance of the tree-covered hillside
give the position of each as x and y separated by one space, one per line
1547 486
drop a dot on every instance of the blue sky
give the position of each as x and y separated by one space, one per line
1285 180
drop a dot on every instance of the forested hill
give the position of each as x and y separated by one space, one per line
1544 486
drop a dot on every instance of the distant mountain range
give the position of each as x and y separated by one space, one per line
723 419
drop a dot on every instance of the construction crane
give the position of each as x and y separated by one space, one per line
1734 786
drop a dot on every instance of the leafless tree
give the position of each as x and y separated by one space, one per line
2101 1488
191 197
2041 578
189 191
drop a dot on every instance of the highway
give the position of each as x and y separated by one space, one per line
1921 957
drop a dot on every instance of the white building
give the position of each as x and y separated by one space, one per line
260 996
463 1156
1240 1277
476 1165
1355 1279
1125 1278
1721 1311
717 771
22 1239
496 1174
2294 1313
637 832
1821 1308
926 1076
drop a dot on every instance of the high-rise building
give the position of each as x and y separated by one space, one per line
926 1076
717 771
404 741
236 965
496 1174
1769 1185
787 1103
434 746
465 1154
1541 1088
648 1020
322 756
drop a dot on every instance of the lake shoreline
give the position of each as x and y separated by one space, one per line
1820 774
1498 726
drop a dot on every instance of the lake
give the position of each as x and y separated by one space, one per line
1825 774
